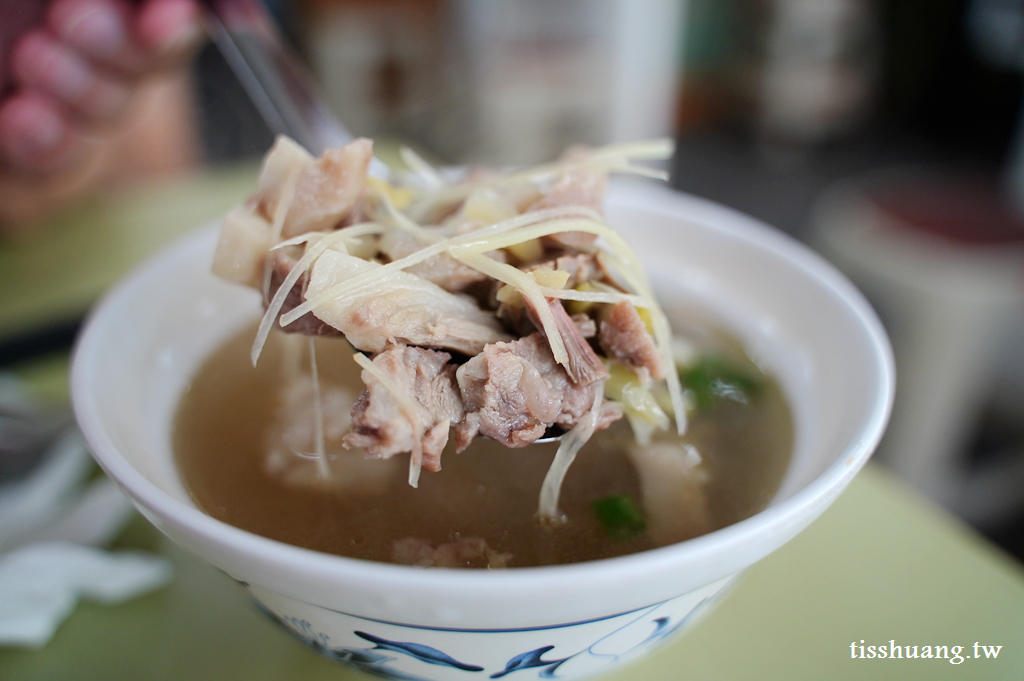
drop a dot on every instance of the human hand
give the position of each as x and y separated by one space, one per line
74 72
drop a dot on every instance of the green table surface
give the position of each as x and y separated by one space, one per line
880 564
56 274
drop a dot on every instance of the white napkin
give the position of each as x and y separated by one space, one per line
50 521
41 583
58 502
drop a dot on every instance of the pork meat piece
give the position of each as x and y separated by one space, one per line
578 186
623 336
582 267
242 247
513 392
328 189
290 441
584 366
585 325
441 269
466 552
243 253
281 263
285 158
401 309
381 424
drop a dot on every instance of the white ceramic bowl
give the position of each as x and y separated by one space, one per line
797 315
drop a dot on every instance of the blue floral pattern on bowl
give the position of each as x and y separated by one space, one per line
412 653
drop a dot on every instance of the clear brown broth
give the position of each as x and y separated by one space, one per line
487 491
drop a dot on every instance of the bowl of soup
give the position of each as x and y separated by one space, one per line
172 409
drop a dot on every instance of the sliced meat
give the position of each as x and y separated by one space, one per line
520 319
381 424
289 443
609 414
623 336
400 309
513 392
281 263
582 267
467 552
242 247
514 317
578 186
284 158
585 325
327 190
506 396
443 269
584 366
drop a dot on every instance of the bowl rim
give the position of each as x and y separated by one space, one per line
806 501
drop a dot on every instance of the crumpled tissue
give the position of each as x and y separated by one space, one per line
41 583
53 518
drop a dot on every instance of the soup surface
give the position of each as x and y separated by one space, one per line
233 454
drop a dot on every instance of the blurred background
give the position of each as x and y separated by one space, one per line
885 133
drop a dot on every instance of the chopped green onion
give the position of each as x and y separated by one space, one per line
620 517
711 380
